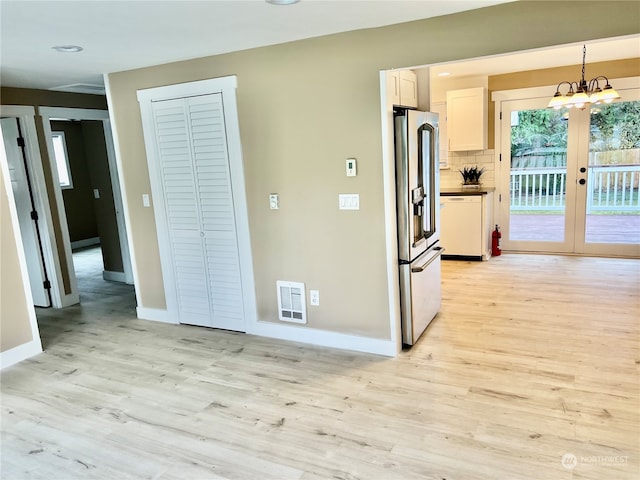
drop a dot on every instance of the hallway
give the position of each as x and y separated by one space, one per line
100 300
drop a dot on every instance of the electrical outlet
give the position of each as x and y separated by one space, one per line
274 201
314 297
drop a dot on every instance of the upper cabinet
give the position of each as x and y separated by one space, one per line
467 119
402 88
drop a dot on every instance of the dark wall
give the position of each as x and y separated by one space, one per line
78 201
105 210
49 98
87 216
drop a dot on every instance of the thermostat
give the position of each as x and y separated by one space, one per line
351 167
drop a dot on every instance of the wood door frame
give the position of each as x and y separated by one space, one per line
47 114
227 87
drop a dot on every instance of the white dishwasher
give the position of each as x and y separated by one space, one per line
461 225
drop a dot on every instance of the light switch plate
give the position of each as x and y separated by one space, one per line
96 193
349 201
145 200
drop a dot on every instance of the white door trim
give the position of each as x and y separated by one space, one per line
34 346
227 87
391 221
49 113
26 114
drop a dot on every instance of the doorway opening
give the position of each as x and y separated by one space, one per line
89 204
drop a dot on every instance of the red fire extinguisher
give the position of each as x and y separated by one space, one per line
496 248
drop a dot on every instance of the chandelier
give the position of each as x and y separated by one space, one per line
584 93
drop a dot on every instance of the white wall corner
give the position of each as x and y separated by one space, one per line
156 315
20 353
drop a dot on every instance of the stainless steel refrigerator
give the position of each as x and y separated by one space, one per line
418 212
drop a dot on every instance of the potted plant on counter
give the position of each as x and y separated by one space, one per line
471 176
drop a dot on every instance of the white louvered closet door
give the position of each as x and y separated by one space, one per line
196 184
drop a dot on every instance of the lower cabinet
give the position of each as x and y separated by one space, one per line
465 225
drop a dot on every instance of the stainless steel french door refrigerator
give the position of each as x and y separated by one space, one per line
418 213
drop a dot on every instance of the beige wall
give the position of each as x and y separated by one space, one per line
306 106
15 326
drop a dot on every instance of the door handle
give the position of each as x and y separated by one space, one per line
582 181
438 252
582 169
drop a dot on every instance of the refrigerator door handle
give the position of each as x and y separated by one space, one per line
438 251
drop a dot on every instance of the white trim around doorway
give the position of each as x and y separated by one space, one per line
34 346
49 113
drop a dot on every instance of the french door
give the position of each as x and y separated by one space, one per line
570 178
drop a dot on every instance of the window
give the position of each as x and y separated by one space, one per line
62 159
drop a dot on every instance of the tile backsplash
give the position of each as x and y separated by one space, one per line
451 178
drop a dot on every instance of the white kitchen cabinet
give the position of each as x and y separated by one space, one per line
467 119
402 88
465 225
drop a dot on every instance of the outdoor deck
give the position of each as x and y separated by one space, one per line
621 229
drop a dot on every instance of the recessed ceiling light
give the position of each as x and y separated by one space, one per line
444 74
282 2
67 48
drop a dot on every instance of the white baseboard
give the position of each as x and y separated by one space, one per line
114 276
87 242
323 338
20 353
155 314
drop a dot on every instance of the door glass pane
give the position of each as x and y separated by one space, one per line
613 203
538 175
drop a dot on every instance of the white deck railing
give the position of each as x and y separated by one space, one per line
609 188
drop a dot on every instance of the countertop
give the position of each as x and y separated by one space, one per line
466 191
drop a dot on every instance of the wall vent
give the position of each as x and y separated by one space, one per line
89 88
292 305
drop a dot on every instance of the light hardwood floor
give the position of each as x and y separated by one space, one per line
532 358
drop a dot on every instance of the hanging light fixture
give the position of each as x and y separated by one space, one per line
584 93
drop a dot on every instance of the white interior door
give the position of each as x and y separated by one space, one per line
197 205
24 207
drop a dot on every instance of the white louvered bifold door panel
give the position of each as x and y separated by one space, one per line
199 209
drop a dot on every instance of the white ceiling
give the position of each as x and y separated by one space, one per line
597 51
123 35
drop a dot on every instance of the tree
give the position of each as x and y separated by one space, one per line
538 130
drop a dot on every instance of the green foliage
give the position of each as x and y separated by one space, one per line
615 126
537 131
